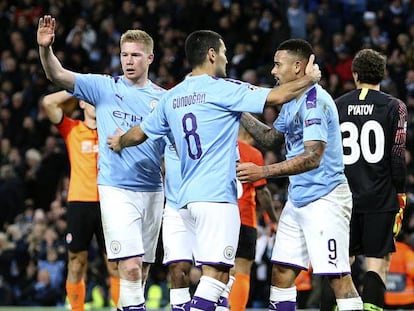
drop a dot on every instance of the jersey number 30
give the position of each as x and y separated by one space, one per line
359 143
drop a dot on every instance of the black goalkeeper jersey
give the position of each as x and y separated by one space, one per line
373 126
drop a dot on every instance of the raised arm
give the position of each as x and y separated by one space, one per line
134 136
266 136
51 64
58 103
287 91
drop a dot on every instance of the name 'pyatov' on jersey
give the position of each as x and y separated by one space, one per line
373 126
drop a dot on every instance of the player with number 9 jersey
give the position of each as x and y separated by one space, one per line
203 114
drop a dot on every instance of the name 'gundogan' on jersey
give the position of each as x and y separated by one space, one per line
374 131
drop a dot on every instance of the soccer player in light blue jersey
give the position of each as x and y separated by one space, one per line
177 242
130 184
314 224
203 114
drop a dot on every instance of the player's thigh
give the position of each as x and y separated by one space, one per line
326 229
83 219
290 245
372 234
177 240
153 204
122 216
217 227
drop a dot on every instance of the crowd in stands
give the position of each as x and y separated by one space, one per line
33 161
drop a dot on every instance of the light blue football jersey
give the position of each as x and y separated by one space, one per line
120 105
172 175
203 113
313 117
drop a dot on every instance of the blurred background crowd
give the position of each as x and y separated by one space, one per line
33 161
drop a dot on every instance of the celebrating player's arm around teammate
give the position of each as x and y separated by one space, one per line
373 126
83 211
314 225
203 114
129 183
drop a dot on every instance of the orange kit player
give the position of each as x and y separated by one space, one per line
83 210
400 279
239 294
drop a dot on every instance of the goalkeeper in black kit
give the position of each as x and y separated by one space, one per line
373 126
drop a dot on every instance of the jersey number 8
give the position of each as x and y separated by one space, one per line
191 135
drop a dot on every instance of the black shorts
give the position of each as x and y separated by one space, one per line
371 234
247 243
84 221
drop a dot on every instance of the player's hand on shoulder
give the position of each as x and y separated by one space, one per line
114 141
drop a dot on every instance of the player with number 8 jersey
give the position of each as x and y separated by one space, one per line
203 114
373 126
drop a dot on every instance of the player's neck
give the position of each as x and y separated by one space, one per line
203 70
375 87
139 82
90 123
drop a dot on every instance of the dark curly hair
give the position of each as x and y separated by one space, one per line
369 65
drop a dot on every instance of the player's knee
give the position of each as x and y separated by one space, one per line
284 276
180 273
179 268
130 269
77 263
112 267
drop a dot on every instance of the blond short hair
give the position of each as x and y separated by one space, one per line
136 35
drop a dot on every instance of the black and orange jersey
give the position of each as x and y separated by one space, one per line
247 202
82 145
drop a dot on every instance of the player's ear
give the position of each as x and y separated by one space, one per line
211 55
150 58
355 76
298 66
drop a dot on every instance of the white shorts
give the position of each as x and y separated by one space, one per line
215 229
316 234
131 222
177 241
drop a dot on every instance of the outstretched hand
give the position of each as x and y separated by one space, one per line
249 172
313 70
113 141
46 31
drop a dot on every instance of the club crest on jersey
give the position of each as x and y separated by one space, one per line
115 247
153 104
312 121
229 252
